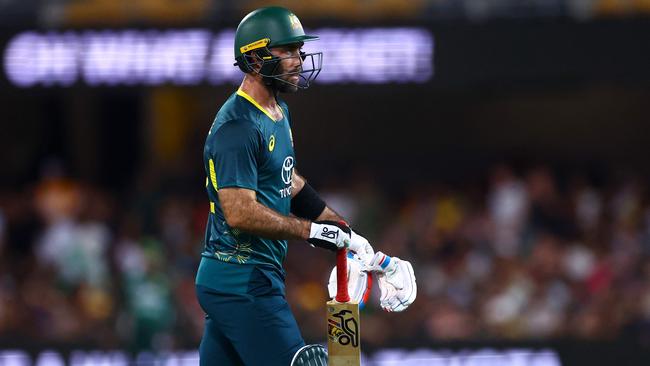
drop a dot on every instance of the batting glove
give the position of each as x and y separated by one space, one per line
396 282
330 235
362 248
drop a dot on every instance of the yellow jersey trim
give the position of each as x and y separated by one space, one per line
212 210
213 175
243 94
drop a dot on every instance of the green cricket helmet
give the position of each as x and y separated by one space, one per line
269 27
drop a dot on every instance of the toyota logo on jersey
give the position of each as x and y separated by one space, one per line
287 176
287 170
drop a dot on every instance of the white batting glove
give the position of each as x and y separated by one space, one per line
330 235
396 281
359 281
361 247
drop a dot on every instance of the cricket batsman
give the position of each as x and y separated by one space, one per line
258 201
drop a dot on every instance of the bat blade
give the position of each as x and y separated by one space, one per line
343 332
343 337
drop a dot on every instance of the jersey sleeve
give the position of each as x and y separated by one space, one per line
235 153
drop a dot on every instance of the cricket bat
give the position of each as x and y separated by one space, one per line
343 337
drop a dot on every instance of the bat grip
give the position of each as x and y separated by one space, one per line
342 276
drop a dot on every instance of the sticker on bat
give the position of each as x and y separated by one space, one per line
346 330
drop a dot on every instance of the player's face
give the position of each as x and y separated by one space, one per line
289 68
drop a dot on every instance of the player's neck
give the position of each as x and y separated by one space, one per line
261 93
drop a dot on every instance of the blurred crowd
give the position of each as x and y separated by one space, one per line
173 12
517 255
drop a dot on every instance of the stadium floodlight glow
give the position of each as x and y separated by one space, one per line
196 56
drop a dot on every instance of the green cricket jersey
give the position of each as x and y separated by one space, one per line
245 148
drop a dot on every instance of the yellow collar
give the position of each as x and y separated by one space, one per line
243 94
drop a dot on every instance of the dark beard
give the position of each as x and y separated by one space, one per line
283 86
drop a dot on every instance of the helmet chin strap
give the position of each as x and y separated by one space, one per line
268 75
274 83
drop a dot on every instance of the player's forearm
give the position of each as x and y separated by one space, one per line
297 183
330 215
260 220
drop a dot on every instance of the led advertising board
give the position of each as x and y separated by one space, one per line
198 56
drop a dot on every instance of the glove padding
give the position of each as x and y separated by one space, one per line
330 235
359 281
362 247
396 281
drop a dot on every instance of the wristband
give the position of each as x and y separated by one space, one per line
307 203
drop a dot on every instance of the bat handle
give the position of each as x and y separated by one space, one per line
342 276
